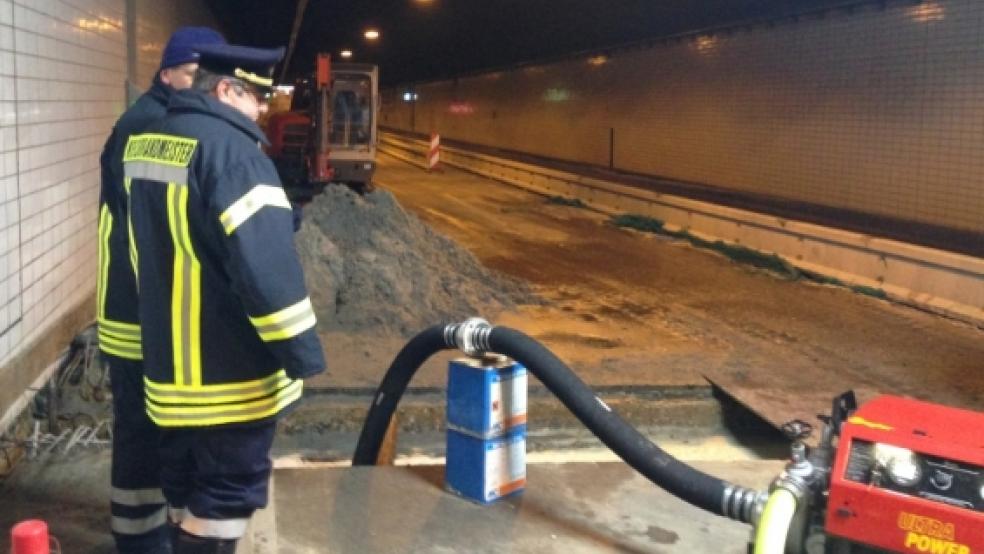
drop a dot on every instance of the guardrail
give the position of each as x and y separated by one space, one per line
937 280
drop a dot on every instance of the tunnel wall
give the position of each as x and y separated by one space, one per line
63 70
155 22
877 109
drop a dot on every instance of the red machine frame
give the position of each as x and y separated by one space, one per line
870 515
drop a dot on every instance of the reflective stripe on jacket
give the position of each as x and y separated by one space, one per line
229 328
116 287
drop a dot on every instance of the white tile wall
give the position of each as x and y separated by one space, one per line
880 110
63 66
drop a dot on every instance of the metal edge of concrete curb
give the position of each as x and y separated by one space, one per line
334 414
938 281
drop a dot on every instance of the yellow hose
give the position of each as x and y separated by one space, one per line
770 537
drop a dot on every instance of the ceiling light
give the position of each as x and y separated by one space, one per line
927 11
345 54
371 34
598 60
706 44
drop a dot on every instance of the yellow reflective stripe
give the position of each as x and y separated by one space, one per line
250 203
222 387
181 376
118 342
105 227
186 293
302 307
105 328
286 323
217 394
161 149
134 258
115 337
126 342
193 308
119 328
289 331
128 354
253 78
193 416
128 351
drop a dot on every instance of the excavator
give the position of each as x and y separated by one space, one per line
329 134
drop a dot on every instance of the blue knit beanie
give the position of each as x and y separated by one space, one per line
181 48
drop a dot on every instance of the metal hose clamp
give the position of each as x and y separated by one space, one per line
742 504
470 336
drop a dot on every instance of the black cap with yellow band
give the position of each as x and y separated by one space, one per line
250 65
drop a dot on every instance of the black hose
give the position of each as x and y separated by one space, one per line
677 478
688 484
427 343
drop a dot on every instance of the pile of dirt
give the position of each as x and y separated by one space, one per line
371 266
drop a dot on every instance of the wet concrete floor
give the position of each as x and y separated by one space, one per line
628 311
571 505
629 308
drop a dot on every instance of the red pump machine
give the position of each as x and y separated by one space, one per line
895 475
909 477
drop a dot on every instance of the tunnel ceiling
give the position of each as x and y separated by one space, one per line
428 40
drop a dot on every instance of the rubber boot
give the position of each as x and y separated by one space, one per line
190 544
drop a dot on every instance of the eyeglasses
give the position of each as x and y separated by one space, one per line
241 87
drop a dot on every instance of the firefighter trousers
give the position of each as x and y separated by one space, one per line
137 506
214 478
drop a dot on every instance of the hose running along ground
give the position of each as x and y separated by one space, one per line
688 484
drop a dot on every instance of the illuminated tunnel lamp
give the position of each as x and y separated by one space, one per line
927 11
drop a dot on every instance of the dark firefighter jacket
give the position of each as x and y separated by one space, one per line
116 291
229 329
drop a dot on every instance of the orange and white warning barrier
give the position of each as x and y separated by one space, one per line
434 152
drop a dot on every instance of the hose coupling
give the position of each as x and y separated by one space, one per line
799 474
741 504
794 482
470 336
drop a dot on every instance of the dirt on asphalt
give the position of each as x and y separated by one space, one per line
632 308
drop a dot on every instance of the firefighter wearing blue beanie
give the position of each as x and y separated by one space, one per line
180 58
139 511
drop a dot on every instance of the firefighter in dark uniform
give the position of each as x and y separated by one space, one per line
230 331
138 507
